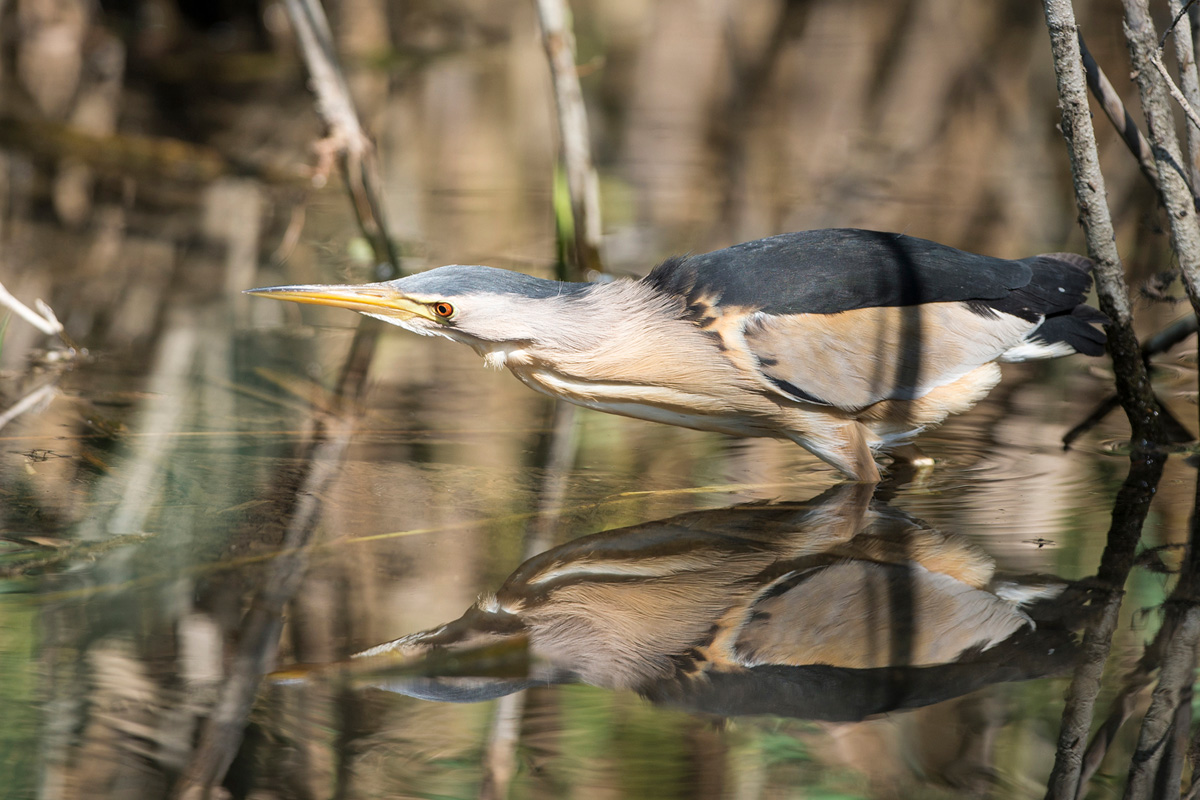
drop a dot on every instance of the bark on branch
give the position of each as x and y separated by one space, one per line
1133 382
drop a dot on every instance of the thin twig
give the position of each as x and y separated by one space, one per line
1156 60
45 321
1163 41
1160 342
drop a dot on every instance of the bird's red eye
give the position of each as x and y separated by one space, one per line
443 310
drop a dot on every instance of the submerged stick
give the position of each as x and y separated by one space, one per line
40 395
221 734
1160 342
1132 379
1157 762
1129 515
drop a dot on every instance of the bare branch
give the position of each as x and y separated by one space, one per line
1189 80
1176 196
1178 16
1133 382
346 134
1156 60
1114 109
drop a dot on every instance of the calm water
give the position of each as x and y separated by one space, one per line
188 508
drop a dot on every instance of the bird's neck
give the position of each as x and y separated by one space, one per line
596 334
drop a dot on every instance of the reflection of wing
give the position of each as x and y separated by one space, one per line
856 358
862 614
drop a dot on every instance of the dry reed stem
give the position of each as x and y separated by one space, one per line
346 134
43 319
582 183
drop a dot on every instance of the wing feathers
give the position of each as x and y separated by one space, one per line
840 269
857 358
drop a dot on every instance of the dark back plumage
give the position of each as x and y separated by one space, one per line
843 269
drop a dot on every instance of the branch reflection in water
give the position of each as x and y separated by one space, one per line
836 609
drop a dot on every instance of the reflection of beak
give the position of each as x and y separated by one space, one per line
370 298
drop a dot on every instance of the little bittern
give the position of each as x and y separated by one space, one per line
847 342
835 608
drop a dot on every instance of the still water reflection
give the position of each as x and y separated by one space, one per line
190 508
835 609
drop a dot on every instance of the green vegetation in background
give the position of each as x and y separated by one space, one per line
564 223
18 690
618 738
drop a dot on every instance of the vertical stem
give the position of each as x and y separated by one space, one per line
582 183
1189 80
1129 514
1133 382
584 189
1160 130
336 107
221 733
1157 763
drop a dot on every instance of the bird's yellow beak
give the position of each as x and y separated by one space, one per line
370 298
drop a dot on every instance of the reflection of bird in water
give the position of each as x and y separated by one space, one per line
835 609
847 342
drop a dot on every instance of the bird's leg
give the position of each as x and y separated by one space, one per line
843 444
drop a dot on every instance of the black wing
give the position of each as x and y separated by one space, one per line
840 269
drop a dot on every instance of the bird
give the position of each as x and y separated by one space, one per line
847 342
839 607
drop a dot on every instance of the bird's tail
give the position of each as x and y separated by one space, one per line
1055 294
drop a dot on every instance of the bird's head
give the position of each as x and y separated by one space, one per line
479 306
